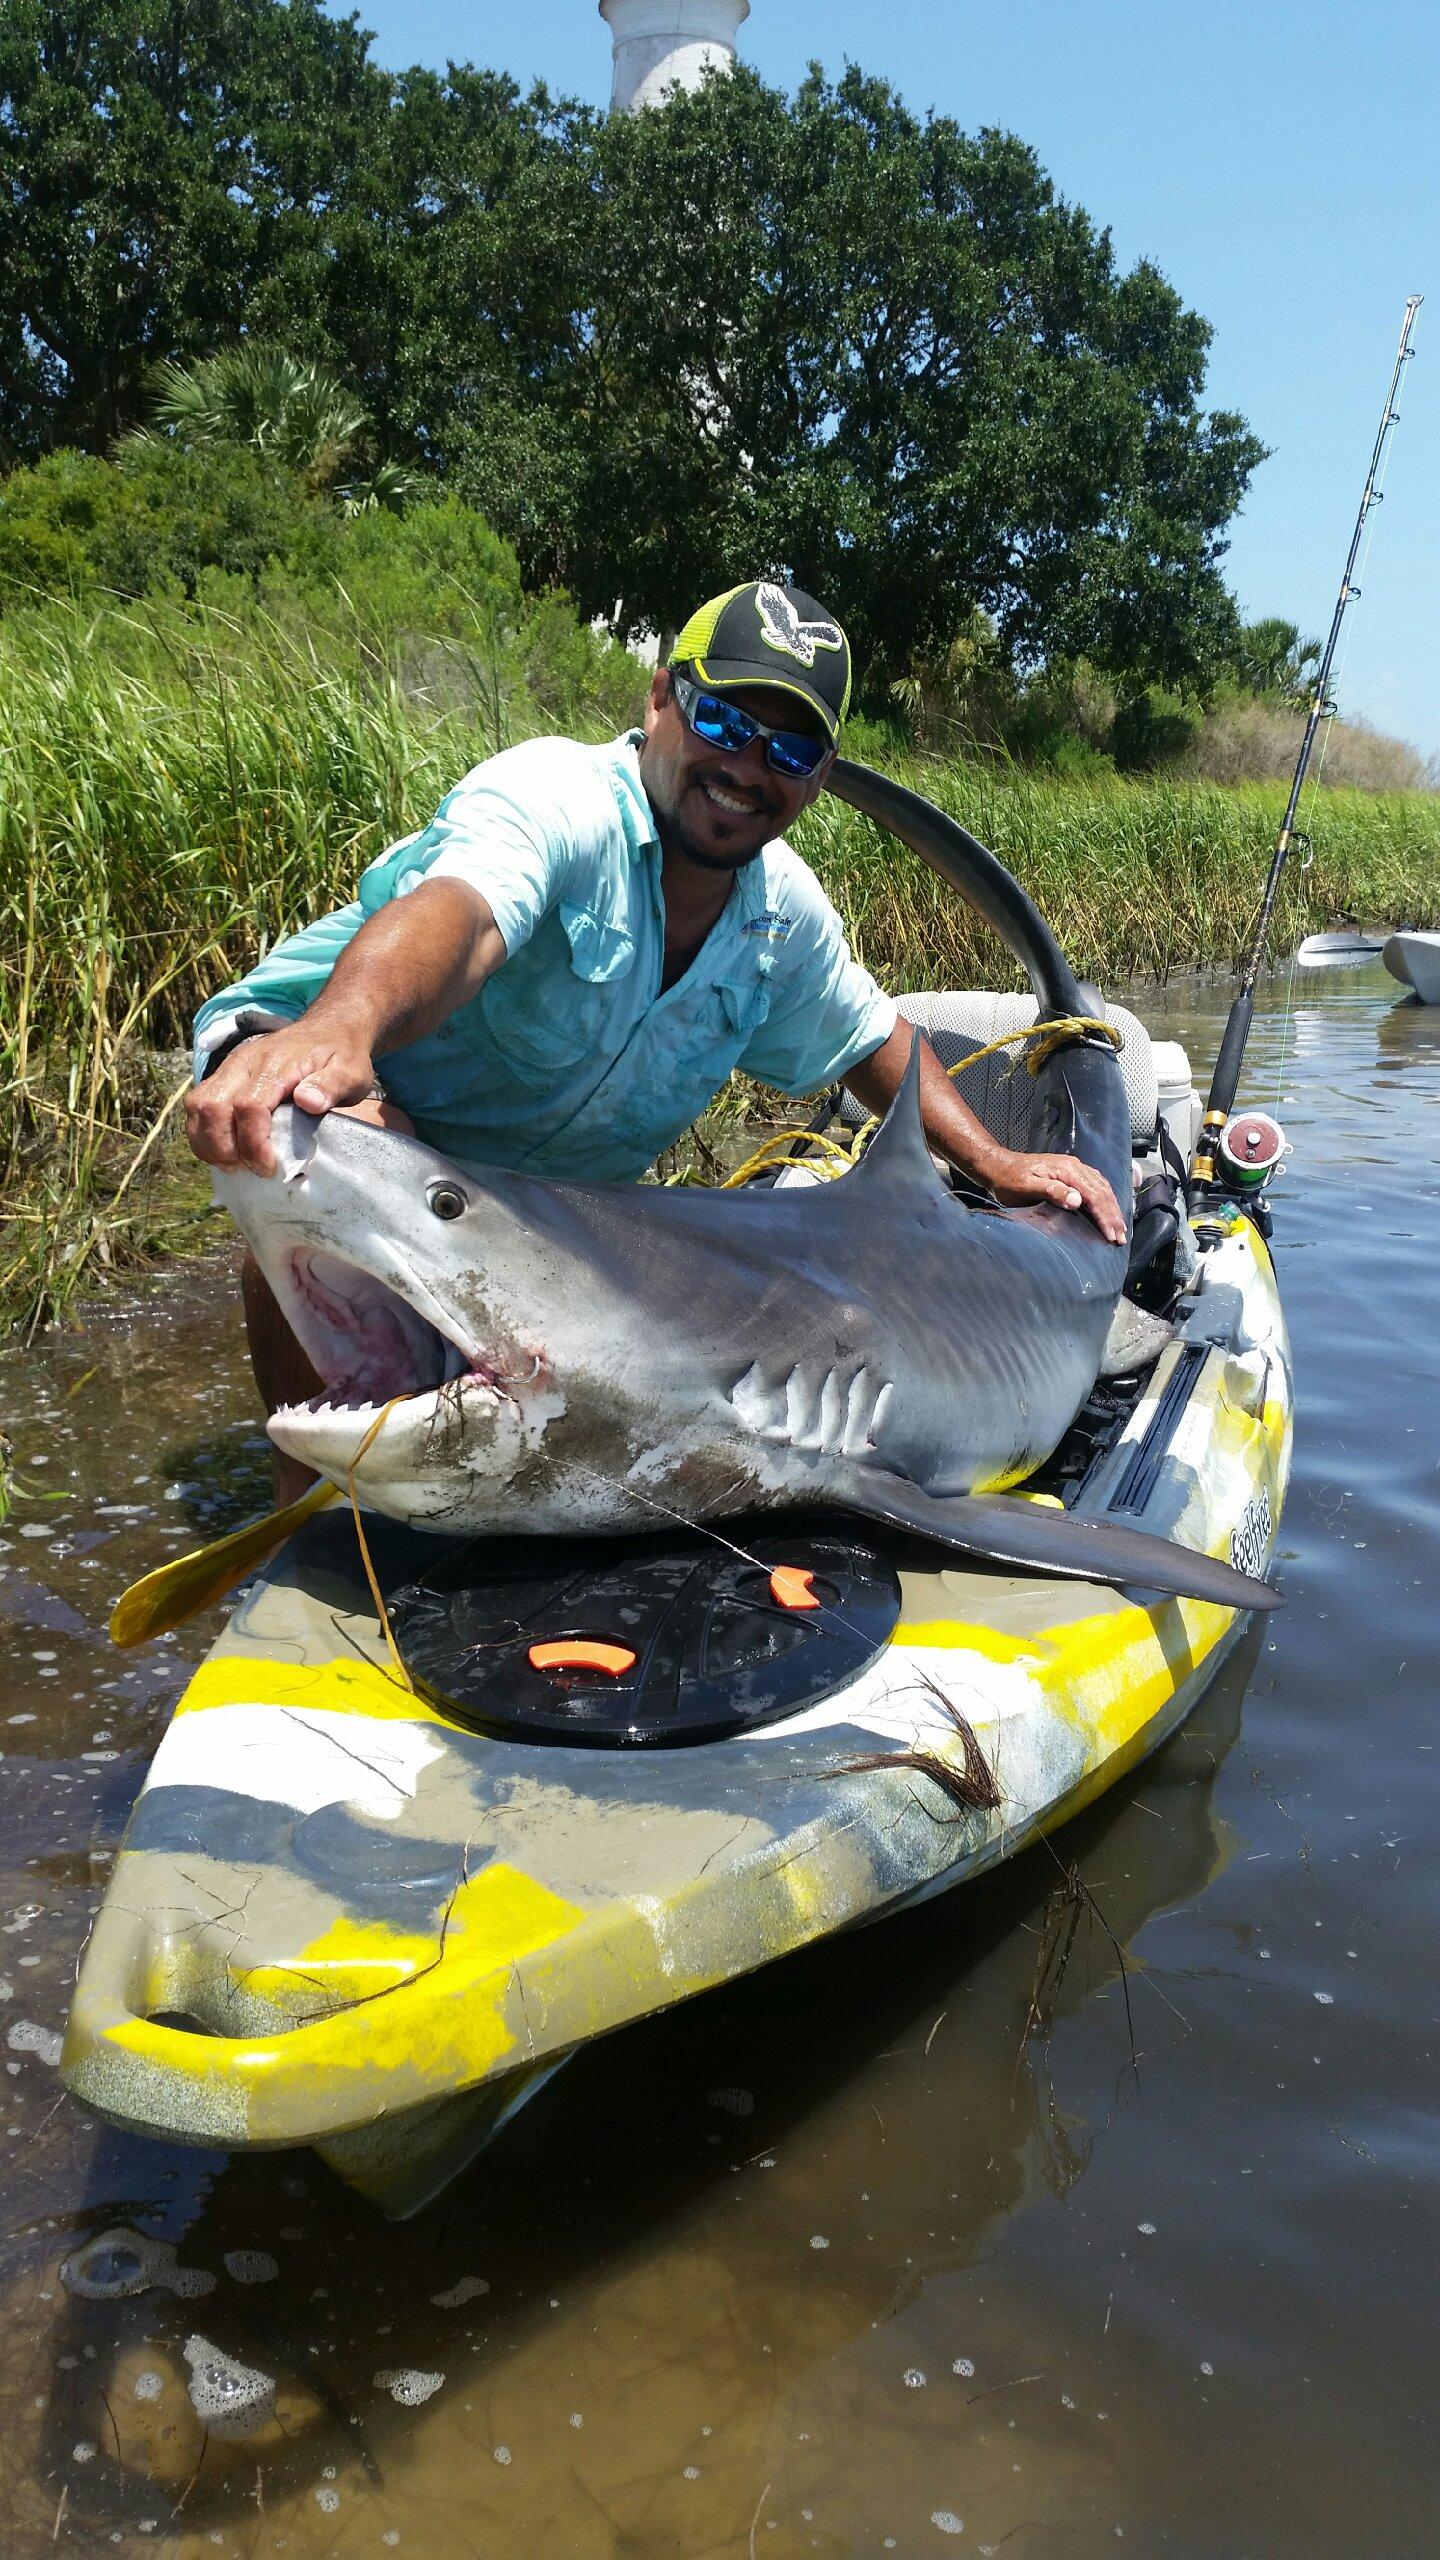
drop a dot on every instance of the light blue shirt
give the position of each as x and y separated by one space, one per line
570 1061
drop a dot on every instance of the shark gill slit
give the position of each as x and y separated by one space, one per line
836 1416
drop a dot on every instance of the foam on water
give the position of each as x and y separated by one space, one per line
119 2262
26 2037
456 2294
408 2386
233 2399
251 2266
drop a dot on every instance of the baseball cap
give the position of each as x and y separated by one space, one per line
772 635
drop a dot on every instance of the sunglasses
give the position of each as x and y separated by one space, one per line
791 752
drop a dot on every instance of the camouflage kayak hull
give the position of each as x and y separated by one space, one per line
343 1919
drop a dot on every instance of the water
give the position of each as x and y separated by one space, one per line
879 2252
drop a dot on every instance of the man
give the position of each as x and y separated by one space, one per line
562 969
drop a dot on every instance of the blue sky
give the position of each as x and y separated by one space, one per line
1276 160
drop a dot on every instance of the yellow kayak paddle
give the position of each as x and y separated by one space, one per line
174 1591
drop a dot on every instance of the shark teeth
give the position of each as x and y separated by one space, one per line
340 1402
330 1405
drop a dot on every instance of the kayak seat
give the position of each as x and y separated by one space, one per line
957 1023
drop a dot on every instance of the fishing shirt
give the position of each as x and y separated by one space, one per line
571 1061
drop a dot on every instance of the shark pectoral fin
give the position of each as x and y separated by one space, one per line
1004 1531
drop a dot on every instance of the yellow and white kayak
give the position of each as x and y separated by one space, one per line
345 1916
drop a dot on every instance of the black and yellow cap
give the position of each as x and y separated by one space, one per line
766 634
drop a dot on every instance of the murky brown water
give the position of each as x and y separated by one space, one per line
838 2261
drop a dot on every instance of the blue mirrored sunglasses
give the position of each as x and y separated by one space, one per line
791 752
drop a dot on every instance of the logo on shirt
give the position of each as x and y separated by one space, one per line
768 926
781 628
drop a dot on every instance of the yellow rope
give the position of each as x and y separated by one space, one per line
381 1612
767 1153
837 1157
1049 1036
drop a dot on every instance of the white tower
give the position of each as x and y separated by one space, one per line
668 44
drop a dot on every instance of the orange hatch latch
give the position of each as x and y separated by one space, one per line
579 1653
791 1585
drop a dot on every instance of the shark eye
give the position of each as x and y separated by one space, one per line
447 1200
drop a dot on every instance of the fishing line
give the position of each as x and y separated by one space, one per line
704 1529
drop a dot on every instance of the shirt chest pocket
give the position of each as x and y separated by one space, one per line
564 998
712 1032
744 1003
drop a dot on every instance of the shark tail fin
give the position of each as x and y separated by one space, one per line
1000 1530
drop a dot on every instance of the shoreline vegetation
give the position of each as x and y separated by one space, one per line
187 778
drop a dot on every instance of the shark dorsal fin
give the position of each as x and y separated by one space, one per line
898 1152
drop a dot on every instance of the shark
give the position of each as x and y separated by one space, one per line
501 1352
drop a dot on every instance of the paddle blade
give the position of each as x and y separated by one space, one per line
1003 1531
174 1591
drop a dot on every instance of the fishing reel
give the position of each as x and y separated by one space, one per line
1246 1156
1251 1149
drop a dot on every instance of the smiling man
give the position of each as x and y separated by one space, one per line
563 968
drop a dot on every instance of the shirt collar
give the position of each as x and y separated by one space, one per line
626 753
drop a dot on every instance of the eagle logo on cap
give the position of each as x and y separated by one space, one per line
781 628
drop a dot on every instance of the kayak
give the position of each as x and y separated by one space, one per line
438 1810
1414 958
372 1918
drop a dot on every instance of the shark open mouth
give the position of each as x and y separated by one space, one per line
368 1343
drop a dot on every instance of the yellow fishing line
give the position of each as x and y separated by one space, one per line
381 1612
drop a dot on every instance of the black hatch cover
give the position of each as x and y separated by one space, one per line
665 1640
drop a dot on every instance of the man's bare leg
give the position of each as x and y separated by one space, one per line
283 1373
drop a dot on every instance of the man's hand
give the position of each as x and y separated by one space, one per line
406 971
227 1118
1016 1178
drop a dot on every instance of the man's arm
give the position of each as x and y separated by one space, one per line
409 967
954 1131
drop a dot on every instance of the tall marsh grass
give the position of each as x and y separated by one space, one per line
182 786
1138 878
185 782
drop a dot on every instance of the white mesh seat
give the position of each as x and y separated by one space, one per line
1005 1098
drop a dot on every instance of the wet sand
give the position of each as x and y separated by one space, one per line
902 2246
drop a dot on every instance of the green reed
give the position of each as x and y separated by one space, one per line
1137 878
183 784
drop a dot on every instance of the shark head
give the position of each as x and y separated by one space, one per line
427 1306
498 1351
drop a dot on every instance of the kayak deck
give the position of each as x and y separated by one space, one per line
343 1918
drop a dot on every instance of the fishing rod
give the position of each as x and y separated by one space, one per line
1237 1028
